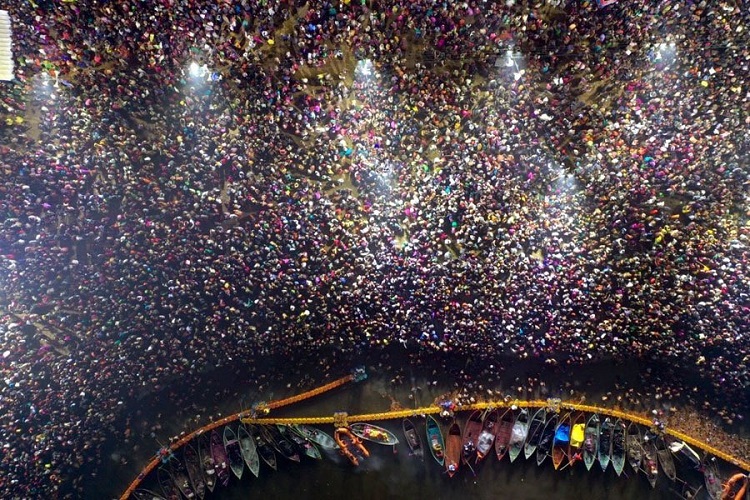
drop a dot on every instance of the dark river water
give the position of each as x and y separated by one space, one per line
385 474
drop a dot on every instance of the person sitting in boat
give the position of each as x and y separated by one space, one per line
437 447
452 468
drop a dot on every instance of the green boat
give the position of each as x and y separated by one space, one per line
248 449
435 440
591 441
305 445
322 439
374 434
518 434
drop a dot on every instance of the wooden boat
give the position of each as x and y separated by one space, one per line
221 461
207 461
249 450
650 463
634 446
665 458
518 435
412 438
545 441
605 443
282 445
453 449
168 488
487 436
144 494
194 470
591 441
535 432
561 441
577 437
350 445
373 433
181 479
435 442
504 432
305 446
234 453
472 429
317 436
619 447
265 450
682 450
712 479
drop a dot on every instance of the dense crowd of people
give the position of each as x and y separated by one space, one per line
187 183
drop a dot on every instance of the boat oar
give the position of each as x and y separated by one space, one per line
471 468
568 464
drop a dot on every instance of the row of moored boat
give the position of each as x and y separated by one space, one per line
210 459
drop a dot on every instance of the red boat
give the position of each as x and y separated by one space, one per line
453 449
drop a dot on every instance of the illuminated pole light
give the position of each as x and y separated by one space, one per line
195 69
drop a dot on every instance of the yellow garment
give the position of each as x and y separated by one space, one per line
577 436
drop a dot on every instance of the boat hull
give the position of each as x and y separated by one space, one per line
412 438
605 444
234 452
591 441
619 447
453 449
545 442
472 429
207 461
561 442
374 434
194 470
534 434
266 452
221 461
249 450
322 439
518 435
504 433
435 441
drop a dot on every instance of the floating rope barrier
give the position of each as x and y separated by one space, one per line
357 375
552 404
309 394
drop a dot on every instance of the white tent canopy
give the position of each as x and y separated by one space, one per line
6 54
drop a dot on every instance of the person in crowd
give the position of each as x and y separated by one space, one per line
558 182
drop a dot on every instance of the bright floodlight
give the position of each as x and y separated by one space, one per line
195 69
365 67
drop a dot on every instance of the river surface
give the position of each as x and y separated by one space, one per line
387 474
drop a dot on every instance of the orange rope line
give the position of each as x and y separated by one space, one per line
228 420
246 417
